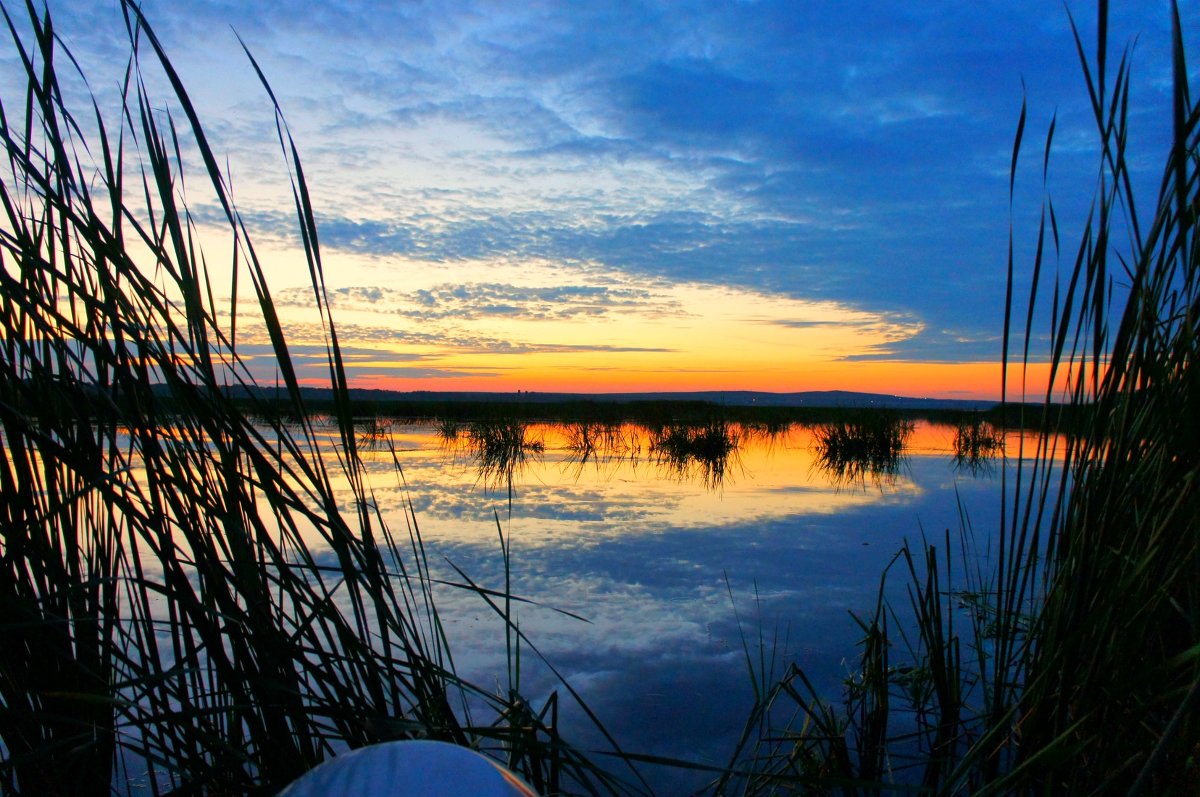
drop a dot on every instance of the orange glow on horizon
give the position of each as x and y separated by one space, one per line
976 381
488 327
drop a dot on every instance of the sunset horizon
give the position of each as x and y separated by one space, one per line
746 197
918 385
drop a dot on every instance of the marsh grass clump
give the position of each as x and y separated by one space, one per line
870 443
705 451
501 448
601 443
583 440
449 432
977 443
373 431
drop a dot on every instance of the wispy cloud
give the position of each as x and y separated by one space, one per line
472 301
306 342
849 153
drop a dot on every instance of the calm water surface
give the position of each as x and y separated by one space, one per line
670 565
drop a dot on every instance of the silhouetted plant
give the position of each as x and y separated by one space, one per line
868 444
184 603
501 448
704 451
976 444
1076 668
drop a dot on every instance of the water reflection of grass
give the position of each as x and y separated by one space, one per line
705 452
868 444
501 448
373 431
450 435
977 443
601 443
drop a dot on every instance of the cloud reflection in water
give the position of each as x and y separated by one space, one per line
600 529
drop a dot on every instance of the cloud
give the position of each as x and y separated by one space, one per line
394 346
538 303
473 301
851 152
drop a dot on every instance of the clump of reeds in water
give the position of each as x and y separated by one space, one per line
449 432
977 443
584 440
373 431
601 442
501 448
869 443
703 451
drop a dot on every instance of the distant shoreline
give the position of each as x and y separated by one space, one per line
816 399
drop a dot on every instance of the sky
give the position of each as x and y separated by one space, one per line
621 196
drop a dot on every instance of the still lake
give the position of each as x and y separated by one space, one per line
670 564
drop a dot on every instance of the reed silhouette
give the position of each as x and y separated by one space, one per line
1065 660
186 601
977 444
868 444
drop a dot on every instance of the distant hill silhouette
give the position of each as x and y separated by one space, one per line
728 398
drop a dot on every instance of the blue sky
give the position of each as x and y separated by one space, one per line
588 163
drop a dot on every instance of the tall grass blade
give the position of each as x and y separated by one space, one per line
184 602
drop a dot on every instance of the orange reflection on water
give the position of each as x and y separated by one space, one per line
585 484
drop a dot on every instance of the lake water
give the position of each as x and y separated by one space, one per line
671 565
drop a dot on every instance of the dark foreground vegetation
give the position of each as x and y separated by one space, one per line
185 605
1071 665
185 602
